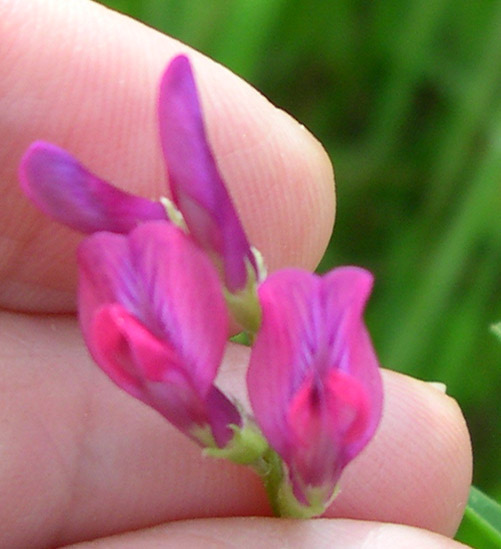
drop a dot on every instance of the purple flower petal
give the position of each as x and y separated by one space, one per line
153 371
129 353
64 190
313 379
166 282
325 417
197 187
154 319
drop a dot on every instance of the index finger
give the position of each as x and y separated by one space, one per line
85 78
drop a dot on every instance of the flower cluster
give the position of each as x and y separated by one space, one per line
159 283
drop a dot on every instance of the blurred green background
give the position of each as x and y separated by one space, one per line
406 97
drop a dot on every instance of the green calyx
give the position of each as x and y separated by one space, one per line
244 304
289 506
246 447
278 486
249 447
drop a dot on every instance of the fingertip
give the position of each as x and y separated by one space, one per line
270 533
280 176
86 78
417 470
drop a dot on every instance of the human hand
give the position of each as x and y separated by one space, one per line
79 459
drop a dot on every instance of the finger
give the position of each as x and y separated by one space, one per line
417 470
271 533
80 459
86 78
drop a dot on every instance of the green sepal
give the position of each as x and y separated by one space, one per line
244 304
204 436
289 506
283 502
246 447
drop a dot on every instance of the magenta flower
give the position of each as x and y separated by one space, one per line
313 379
65 191
197 187
153 316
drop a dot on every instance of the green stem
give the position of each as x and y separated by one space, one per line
269 468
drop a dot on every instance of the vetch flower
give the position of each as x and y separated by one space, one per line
313 380
154 319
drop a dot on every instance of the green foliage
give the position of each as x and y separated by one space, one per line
406 98
481 526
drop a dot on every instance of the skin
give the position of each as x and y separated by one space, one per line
79 459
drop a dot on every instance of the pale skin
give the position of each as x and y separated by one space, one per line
79 459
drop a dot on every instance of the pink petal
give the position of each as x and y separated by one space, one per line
167 283
127 351
152 371
184 295
275 358
221 413
324 418
64 190
146 367
197 187
350 287
106 276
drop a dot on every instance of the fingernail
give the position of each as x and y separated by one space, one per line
439 386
